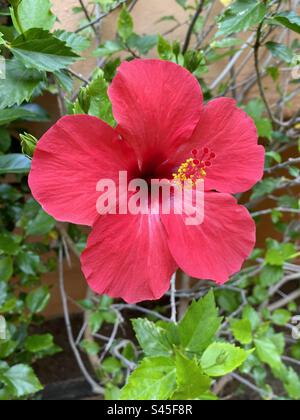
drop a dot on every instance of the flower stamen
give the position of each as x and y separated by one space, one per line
194 169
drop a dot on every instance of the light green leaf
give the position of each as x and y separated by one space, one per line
278 254
241 330
200 324
90 347
21 380
14 164
34 14
241 16
281 317
38 343
153 339
93 100
219 359
18 87
108 48
154 379
268 353
191 381
42 51
6 268
38 299
164 49
125 24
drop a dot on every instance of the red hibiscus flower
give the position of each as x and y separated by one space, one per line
162 125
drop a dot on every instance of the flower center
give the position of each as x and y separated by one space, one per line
194 169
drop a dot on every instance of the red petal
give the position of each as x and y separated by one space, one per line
128 257
157 105
231 134
217 248
69 161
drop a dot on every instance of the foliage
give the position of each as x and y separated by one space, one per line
181 360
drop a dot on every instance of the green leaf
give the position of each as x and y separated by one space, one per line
42 51
7 347
268 353
125 24
90 347
39 343
153 339
281 317
219 359
265 187
28 112
241 330
41 224
270 275
182 3
191 381
164 49
241 16
38 299
143 43
108 49
200 324
5 139
21 380
19 86
255 109
75 41
34 14
278 254
6 268
289 20
292 384
9 243
29 263
280 51
14 164
154 379
94 100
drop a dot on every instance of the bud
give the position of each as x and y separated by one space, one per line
28 143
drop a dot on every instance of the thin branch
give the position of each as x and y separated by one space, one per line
86 13
97 389
192 25
285 301
283 165
173 299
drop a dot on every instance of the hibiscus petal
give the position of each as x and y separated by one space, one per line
231 134
68 162
128 257
157 105
217 248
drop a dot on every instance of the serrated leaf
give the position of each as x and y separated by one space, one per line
19 84
153 339
21 380
153 379
241 330
75 41
219 359
125 24
200 324
268 353
192 383
34 14
241 16
42 51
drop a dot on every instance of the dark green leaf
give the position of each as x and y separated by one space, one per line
280 51
14 164
21 380
42 51
289 20
38 299
35 14
6 268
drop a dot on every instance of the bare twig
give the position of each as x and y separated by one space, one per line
192 25
173 299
